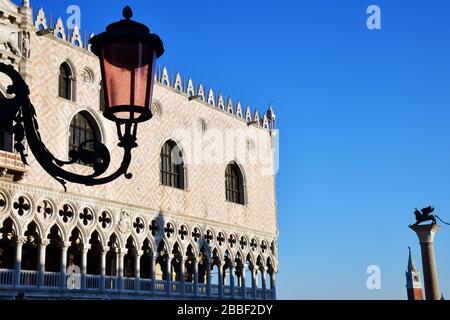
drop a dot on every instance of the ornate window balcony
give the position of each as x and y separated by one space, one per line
11 166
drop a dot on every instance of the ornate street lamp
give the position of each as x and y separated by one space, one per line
127 53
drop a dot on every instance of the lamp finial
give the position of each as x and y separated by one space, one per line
127 12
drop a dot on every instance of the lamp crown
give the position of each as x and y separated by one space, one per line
127 12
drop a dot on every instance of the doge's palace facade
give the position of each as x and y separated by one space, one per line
202 225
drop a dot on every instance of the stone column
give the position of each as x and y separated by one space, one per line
41 265
120 258
169 258
105 250
273 284
231 269
253 269
263 281
182 271
64 247
208 277
20 241
153 257
195 262
84 251
244 293
426 235
220 277
137 270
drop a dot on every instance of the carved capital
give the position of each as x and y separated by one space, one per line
138 253
66 244
44 242
21 240
425 233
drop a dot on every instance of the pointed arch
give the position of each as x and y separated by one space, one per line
148 244
177 245
235 184
55 229
8 234
94 253
114 241
53 249
172 165
15 225
146 259
34 229
129 258
83 127
205 250
76 232
30 249
114 244
100 236
66 88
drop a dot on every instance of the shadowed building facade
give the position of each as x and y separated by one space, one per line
198 218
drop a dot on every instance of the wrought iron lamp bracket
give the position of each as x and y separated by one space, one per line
18 116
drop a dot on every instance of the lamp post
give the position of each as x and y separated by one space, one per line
127 52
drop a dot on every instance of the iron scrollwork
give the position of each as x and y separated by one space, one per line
18 117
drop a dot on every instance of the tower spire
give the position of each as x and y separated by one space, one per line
411 263
413 285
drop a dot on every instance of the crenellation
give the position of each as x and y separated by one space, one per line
256 117
239 110
220 103
248 114
201 93
211 99
261 120
190 88
41 20
59 31
265 122
178 84
165 77
76 38
230 108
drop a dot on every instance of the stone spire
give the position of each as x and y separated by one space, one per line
26 3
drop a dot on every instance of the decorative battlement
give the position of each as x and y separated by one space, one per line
58 30
199 93
267 121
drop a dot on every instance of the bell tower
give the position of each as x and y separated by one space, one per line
413 285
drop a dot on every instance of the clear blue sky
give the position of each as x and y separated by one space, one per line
363 116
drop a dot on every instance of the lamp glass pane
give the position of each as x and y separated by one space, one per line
126 67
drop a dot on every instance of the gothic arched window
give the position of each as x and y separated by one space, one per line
66 82
172 165
83 128
234 184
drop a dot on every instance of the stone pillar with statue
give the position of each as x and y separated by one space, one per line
426 234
